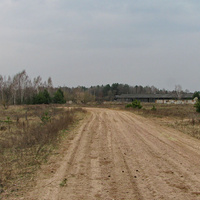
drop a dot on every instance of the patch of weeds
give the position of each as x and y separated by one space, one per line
63 183
8 120
153 108
65 130
26 147
46 117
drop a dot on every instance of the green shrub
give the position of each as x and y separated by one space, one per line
134 104
197 106
129 105
153 108
196 94
46 117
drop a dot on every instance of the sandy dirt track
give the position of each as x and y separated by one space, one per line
117 155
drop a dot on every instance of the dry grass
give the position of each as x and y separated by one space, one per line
181 117
28 134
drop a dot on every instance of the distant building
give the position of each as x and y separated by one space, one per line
153 98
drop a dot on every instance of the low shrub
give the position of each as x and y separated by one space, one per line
197 106
153 108
134 104
129 105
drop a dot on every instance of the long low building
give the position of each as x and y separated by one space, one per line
152 97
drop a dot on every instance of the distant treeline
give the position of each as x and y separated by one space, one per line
20 89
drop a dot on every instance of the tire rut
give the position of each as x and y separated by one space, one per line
116 155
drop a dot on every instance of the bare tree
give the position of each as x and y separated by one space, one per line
14 88
153 89
37 82
178 90
49 85
1 86
23 79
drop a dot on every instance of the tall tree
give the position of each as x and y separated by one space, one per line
59 97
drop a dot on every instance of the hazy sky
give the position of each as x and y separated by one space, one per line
91 42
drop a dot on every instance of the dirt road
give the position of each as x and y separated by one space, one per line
117 155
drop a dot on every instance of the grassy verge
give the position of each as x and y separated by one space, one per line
28 135
181 117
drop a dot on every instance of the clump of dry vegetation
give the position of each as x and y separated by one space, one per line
28 134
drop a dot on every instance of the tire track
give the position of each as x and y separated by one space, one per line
116 155
167 165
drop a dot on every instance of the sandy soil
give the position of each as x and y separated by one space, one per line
117 155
